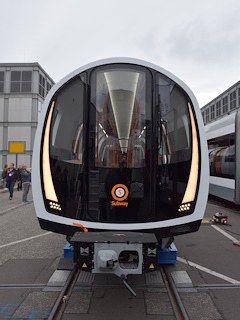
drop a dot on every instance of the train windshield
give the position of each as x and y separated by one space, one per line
120 146
120 108
121 125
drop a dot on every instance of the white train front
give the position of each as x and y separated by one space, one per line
120 145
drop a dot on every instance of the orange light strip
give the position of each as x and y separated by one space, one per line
47 175
193 177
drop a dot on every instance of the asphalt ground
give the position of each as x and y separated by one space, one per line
29 255
217 252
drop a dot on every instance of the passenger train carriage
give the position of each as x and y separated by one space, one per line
223 135
120 145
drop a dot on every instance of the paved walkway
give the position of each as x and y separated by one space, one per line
7 205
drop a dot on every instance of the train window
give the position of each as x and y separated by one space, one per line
222 156
62 175
121 133
120 118
174 147
67 124
174 122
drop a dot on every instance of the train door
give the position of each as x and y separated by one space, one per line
120 126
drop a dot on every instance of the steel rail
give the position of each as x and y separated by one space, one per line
205 286
178 307
23 286
61 302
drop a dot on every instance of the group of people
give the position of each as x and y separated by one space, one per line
22 176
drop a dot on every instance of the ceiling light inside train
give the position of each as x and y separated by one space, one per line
122 87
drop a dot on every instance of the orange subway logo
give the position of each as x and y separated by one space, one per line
119 193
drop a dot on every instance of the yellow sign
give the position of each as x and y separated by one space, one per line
84 265
151 266
16 146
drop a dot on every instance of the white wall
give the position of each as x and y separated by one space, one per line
20 109
20 134
21 159
11 158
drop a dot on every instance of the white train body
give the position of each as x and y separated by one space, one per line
223 137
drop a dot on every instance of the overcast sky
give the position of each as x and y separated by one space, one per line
198 41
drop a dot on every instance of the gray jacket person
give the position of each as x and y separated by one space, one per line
26 179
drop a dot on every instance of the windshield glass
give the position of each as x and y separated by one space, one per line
120 118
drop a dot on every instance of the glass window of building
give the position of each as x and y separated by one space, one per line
218 109
207 115
203 114
233 100
41 88
1 81
225 104
21 81
49 86
15 81
26 83
212 115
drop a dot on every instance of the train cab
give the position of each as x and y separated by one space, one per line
120 146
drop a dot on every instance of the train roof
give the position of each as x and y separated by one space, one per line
221 127
126 60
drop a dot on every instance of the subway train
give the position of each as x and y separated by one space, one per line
120 146
223 135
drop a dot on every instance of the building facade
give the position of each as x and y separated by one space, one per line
23 87
224 104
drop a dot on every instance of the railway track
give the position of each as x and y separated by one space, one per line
178 307
168 285
156 285
61 302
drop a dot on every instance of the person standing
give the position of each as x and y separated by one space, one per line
26 179
11 178
4 174
19 178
